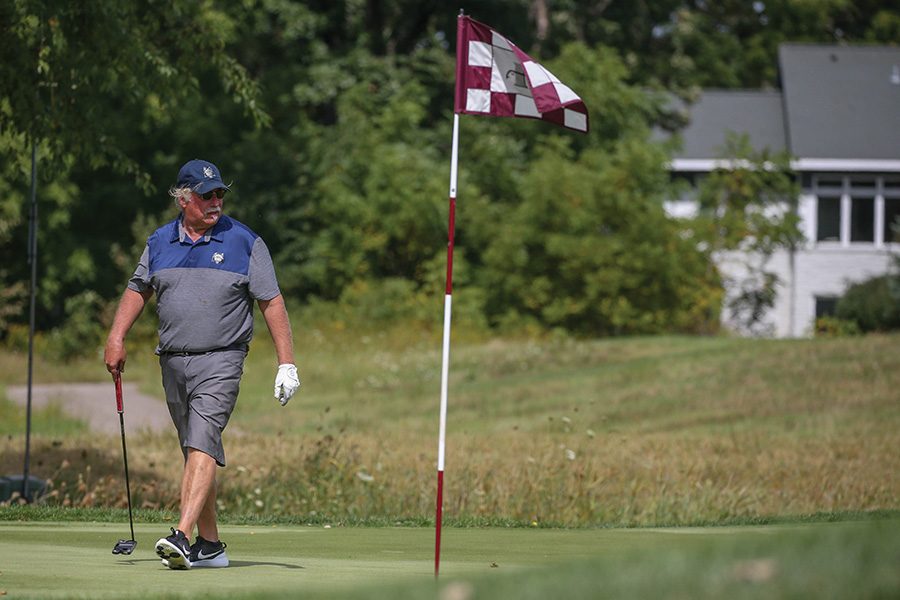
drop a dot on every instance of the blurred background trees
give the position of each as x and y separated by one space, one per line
333 119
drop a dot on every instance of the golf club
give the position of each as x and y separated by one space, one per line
124 546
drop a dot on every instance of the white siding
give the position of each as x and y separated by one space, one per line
828 272
806 208
819 272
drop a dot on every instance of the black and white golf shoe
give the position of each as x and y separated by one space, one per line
174 550
205 553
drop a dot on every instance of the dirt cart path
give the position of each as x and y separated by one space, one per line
95 404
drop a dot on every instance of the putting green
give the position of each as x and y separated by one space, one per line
822 560
63 559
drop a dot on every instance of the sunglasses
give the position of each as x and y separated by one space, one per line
219 193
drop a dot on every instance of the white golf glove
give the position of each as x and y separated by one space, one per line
287 382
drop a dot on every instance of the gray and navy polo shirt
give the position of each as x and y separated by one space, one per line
205 289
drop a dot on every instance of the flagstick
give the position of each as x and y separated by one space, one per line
445 362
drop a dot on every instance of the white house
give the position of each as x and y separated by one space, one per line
838 115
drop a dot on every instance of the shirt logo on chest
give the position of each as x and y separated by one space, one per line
218 257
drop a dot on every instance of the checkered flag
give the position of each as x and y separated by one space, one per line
494 77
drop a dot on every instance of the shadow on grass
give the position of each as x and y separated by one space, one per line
253 563
131 562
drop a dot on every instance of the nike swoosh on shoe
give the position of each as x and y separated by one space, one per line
201 556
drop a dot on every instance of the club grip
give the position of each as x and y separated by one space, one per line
119 405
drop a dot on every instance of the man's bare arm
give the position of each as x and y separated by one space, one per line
130 307
276 316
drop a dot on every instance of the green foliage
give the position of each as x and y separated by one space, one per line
82 83
747 207
590 249
379 199
748 203
832 327
333 120
872 305
385 301
584 243
75 64
12 301
50 420
735 44
885 27
81 333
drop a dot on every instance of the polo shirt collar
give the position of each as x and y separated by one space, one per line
179 234
217 231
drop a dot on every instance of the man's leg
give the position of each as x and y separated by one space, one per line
198 494
206 524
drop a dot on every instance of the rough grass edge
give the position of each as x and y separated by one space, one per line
38 513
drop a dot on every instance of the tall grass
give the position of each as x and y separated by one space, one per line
51 419
552 430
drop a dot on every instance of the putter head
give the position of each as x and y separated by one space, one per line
124 547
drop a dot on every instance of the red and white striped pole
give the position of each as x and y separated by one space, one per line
445 361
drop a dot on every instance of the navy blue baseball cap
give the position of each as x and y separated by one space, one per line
201 176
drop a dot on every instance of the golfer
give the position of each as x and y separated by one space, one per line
206 269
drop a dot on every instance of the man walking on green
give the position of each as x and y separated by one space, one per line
206 270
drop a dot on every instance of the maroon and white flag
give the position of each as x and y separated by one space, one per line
494 77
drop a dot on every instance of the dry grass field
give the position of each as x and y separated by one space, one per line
642 431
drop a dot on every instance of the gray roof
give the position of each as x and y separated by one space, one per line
841 101
755 113
837 102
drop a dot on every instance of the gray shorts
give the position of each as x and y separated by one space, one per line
201 391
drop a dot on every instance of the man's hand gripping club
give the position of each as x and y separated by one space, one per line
287 382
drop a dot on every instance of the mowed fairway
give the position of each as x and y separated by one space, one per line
810 560
271 560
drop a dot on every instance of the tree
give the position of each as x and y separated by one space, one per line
68 66
747 212
584 243
333 119
78 80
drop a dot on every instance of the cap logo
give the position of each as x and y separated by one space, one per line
208 172
218 257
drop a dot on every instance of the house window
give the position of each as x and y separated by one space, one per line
863 182
830 181
862 219
858 209
826 306
829 220
891 220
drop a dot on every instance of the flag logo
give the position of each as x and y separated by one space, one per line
218 257
494 77
208 172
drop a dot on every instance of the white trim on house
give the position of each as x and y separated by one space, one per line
705 165
844 165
